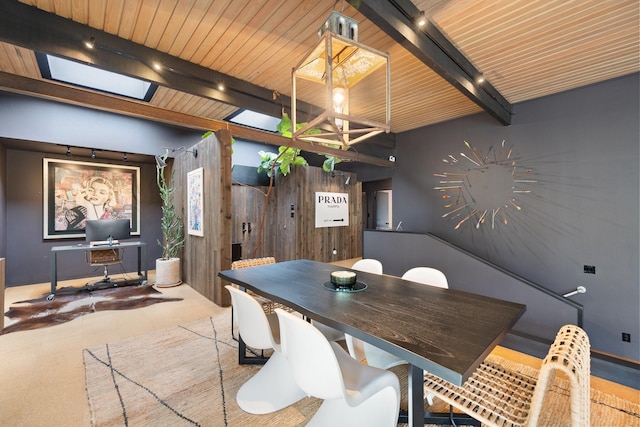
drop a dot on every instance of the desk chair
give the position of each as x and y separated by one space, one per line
354 394
104 257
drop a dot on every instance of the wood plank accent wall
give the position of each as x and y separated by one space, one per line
248 204
298 237
203 257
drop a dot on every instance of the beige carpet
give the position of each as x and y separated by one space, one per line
188 376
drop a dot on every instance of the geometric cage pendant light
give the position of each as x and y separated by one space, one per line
348 81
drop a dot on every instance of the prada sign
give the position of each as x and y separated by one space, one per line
332 209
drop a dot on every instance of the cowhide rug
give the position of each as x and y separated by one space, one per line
39 313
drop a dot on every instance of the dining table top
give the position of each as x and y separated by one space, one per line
443 331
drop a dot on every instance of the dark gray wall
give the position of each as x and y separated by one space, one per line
33 119
28 254
427 250
583 148
3 201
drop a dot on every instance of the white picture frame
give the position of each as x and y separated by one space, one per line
195 202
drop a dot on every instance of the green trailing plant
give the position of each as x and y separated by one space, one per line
280 162
284 128
330 163
171 223
273 164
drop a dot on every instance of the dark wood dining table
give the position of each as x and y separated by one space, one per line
446 332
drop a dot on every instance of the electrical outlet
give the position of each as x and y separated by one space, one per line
590 269
626 337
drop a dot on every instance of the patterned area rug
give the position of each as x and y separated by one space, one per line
40 313
189 375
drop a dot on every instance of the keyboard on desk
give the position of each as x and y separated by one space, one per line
104 243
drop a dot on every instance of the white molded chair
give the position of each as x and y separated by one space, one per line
272 387
428 276
354 394
356 346
368 265
382 359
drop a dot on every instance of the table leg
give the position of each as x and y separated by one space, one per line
415 396
142 254
416 416
54 275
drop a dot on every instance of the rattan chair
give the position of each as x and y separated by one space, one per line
498 397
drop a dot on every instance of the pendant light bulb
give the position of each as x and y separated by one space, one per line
339 96
339 99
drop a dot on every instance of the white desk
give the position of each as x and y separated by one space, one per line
82 247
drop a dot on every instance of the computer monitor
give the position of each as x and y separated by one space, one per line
107 230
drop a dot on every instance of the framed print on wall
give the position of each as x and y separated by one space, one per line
195 202
74 192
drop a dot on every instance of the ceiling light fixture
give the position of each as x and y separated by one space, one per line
91 43
338 72
422 19
93 154
68 151
480 79
124 157
157 66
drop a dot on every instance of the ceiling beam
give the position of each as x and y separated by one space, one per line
35 29
89 99
38 30
396 18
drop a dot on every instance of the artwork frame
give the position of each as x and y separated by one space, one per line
195 202
74 191
332 209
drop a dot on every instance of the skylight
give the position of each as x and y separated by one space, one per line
255 120
87 76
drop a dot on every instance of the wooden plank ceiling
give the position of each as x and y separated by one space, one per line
525 49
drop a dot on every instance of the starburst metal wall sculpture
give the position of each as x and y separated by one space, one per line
483 189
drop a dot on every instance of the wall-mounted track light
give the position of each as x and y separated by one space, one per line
160 162
184 150
68 151
93 154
